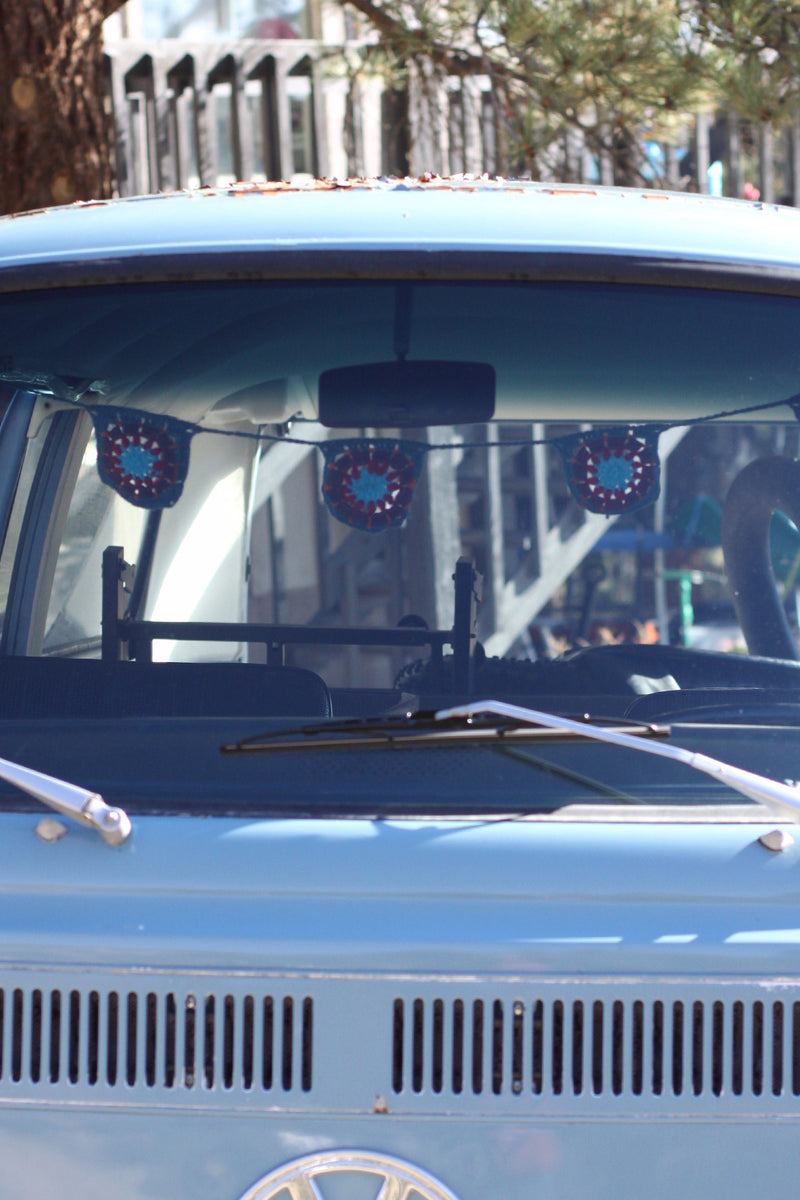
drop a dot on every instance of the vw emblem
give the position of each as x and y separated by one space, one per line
305 1178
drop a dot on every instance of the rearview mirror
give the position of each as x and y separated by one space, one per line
407 394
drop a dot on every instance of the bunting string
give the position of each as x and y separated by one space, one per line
369 483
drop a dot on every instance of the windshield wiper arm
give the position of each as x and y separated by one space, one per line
87 808
426 728
417 729
778 796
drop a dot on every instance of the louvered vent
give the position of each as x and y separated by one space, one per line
596 1047
146 1039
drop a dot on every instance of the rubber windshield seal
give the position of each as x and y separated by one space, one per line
520 264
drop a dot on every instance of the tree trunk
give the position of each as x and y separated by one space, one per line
55 125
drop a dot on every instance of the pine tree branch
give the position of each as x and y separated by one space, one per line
413 42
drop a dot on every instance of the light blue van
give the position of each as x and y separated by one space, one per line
400 695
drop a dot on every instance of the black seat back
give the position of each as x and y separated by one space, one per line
72 687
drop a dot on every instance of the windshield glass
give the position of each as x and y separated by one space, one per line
259 504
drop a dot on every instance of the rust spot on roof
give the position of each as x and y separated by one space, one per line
427 181
571 191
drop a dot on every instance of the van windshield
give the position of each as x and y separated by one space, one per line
256 504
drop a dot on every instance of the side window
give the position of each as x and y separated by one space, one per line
198 568
64 517
37 554
30 461
97 517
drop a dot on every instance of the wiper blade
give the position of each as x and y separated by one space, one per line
777 796
87 808
422 728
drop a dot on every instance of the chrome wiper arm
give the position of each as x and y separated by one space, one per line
87 808
778 796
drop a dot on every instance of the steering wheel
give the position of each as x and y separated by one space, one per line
762 488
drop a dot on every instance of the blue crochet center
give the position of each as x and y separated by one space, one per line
368 486
137 462
614 473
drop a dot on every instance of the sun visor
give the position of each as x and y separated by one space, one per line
270 403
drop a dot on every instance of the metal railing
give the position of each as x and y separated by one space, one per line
198 114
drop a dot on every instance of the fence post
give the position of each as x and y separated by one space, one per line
672 173
264 72
794 135
181 78
123 138
165 147
205 126
284 120
735 181
767 156
702 131
241 129
319 129
606 161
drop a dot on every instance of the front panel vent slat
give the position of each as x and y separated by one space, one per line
458 1046
287 1057
518 1048
777 1044
131 1039
591 1047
